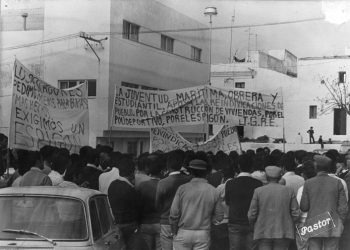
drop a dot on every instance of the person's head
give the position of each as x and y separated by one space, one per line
322 163
33 159
220 161
23 165
245 163
299 155
335 157
60 161
308 170
154 165
199 168
92 156
273 173
141 162
311 127
267 150
126 167
105 156
174 160
299 133
46 153
189 155
289 161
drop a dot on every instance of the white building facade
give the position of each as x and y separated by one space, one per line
300 83
140 47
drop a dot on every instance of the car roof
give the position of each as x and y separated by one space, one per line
76 192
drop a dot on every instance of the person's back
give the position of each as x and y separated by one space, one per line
166 191
274 220
321 194
239 193
196 213
35 177
195 207
324 194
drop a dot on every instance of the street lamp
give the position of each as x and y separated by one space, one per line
210 11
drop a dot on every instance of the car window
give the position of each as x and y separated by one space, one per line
53 217
103 212
95 224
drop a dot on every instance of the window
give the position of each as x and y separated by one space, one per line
95 223
131 31
132 147
240 85
342 76
313 112
167 44
196 53
339 126
104 214
66 84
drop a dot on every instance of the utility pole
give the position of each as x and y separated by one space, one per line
88 38
232 21
248 59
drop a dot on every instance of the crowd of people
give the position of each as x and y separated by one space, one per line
200 200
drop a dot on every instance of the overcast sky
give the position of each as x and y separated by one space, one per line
316 38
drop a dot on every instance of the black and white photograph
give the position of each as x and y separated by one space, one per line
174 124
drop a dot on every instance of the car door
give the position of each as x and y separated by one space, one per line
105 235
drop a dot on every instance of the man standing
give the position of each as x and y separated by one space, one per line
311 135
273 211
290 178
323 194
238 195
35 176
165 194
196 205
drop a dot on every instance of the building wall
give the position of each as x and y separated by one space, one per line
66 56
144 63
299 93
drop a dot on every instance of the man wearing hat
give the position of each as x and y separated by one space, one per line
324 194
196 205
273 210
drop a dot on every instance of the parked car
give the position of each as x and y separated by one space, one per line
57 218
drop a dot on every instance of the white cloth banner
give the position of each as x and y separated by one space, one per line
166 139
44 115
138 108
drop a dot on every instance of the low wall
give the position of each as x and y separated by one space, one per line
289 146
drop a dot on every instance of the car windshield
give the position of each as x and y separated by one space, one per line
50 217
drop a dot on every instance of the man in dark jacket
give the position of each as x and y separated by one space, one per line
238 195
324 194
165 194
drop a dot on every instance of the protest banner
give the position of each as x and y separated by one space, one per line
166 139
44 115
316 226
138 108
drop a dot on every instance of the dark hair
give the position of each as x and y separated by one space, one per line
92 156
32 158
60 161
299 156
154 165
198 173
334 156
142 161
126 166
115 158
46 152
221 161
23 165
289 161
245 163
309 170
260 161
188 157
175 159
104 149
